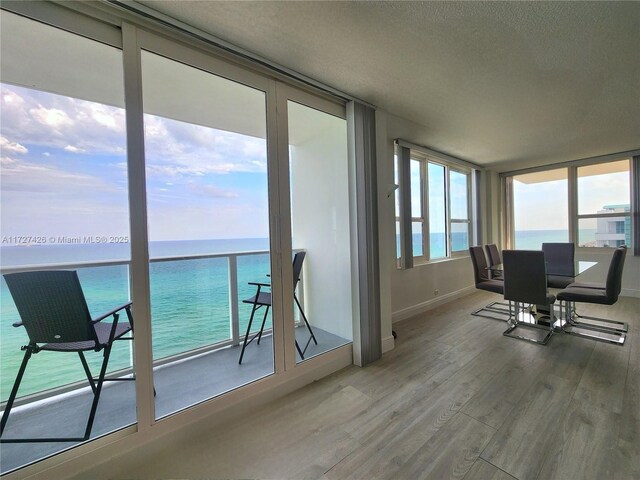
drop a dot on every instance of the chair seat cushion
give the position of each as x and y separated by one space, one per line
263 299
600 286
495 286
586 295
558 281
103 330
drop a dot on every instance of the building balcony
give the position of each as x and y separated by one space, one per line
192 369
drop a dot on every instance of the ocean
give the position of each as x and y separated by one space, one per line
189 302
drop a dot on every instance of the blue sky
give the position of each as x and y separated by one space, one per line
64 173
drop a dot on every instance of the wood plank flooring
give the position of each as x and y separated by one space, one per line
454 400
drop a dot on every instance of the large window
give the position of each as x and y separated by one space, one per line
440 208
586 203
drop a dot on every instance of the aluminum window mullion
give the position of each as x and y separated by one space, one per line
139 270
426 230
447 208
572 202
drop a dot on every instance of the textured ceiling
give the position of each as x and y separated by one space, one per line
491 82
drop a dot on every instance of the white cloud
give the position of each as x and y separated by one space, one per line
14 147
51 117
72 149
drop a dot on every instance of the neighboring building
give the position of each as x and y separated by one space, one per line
614 231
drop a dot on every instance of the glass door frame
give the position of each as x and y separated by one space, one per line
284 94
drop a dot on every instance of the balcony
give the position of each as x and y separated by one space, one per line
188 371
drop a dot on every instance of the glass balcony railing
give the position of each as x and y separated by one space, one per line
196 307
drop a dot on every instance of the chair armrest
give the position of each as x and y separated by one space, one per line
258 284
111 312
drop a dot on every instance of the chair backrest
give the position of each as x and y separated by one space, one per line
493 254
614 276
479 261
525 276
52 306
297 267
560 258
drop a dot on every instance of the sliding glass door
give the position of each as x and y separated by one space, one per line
208 215
320 226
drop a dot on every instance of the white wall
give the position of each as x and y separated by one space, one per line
320 224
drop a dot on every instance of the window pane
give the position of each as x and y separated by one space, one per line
207 201
416 230
459 195
437 212
320 227
604 231
604 188
459 237
540 208
64 200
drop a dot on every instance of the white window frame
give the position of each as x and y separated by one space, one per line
450 164
572 188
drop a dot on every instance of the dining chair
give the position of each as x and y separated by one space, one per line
525 285
56 318
494 257
602 329
483 281
560 258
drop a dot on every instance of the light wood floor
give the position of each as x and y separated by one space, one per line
454 399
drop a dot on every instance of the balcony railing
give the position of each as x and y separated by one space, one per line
235 337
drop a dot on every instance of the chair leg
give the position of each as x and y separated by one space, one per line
14 390
616 335
514 323
246 337
98 390
264 319
92 383
304 317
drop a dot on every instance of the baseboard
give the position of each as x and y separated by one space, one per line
629 292
430 304
388 344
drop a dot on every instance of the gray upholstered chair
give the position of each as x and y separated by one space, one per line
560 258
611 331
484 281
525 284
55 316
494 257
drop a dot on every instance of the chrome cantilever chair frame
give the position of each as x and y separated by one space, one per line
525 283
602 329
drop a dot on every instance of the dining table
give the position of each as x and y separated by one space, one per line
544 314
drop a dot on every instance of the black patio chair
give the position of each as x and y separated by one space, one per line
263 299
55 315
602 329
525 285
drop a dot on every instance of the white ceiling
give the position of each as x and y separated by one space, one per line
532 82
